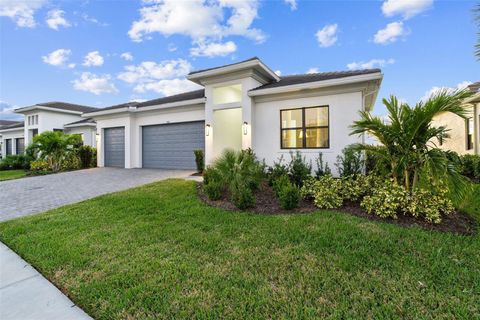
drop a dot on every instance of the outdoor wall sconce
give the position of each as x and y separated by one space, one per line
207 130
245 128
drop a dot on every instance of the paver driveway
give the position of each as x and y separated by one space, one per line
36 194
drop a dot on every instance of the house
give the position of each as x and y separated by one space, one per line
242 105
50 116
464 133
13 135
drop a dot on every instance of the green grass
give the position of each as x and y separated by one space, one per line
12 174
472 204
159 252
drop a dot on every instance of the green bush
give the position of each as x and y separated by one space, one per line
298 169
70 162
307 191
386 200
39 166
213 184
326 192
322 168
470 165
429 205
199 160
350 162
242 196
279 183
87 155
289 196
15 162
278 169
354 188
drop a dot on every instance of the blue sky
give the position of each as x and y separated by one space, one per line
72 50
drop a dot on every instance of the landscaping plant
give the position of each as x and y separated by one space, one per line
39 166
87 155
199 160
15 162
298 168
278 169
322 168
289 196
350 162
326 192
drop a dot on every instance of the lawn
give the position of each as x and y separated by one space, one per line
472 204
158 252
11 174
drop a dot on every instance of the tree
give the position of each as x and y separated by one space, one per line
408 141
54 146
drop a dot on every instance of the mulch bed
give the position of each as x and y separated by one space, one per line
266 203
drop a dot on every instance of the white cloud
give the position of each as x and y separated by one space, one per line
21 11
198 19
435 90
278 73
59 58
313 70
327 36
374 63
55 19
127 56
171 47
166 77
292 4
405 8
93 59
213 49
96 84
6 111
390 33
90 19
167 87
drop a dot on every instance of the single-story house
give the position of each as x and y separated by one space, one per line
242 105
50 116
464 134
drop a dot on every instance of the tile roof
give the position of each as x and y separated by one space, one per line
312 77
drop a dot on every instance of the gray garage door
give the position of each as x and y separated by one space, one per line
170 146
20 145
114 142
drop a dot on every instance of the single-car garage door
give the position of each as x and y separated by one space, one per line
170 146
114 147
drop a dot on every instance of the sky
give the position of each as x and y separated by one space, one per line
102 53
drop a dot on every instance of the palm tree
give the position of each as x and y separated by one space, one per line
54 146
408 142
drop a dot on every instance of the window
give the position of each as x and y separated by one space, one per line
29 120
36 119
469 127
227 94
305 128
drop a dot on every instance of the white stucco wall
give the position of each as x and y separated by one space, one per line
88 132
343 111
133 122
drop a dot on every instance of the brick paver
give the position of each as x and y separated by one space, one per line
31 195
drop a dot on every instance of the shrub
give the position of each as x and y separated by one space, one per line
279 183
298 168
350 162
278 169
386 200
13 162
471 166
70 162
199 160
242 196
213 184
289 196
87 154
322 168
429 205
307 191
354 188
326 192
39 166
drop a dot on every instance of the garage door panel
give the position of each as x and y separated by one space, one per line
170 146
114 141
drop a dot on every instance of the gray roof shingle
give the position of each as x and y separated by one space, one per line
312 77
87 120
17 124
65 106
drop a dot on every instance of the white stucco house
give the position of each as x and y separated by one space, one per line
242 105
43 117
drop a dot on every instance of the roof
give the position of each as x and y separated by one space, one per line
17 124
474 87
226 65
83 121
8 122
62 106
175 98
313 77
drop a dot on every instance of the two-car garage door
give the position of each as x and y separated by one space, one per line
170 146
165 146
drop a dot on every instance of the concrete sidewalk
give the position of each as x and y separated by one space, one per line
26 294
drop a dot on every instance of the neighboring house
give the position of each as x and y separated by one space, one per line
464 133
50 116
12 132
243 105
